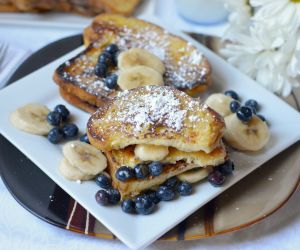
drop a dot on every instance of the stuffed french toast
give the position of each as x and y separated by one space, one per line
152 133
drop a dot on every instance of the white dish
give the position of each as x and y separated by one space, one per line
167 12
139 231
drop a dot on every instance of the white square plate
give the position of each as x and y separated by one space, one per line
139 231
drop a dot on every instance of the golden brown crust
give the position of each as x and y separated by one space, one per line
180 121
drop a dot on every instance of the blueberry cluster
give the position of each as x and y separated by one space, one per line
218 176
146 202
107 195
140 171
246 112
62 130
108 58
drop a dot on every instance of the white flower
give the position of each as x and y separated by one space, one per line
239 18
271 57
278 13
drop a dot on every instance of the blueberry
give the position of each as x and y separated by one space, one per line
113 195
165 193
101 70
216 178
105 58
141 171
262 117
155 168
54 118
152 195
128 206
234 106
102 197
64 112
70 130
103 181
142 196
184 188
124 173
115 58
245 114
226 168
55 135
84 138
144 205
112 48
111 81
171 182
253 105
232 94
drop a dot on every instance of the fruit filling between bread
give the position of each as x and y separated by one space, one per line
142 153
148 165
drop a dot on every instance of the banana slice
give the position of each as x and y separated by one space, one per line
251 136
195 175
136 56
72 173
150 152
84 157
220 103
139 76
31 118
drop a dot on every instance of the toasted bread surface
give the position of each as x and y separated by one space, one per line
156 115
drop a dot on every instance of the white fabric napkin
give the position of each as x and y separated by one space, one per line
11 60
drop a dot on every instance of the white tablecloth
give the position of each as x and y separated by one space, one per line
21 230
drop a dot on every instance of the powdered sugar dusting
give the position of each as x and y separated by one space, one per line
158 107
182 71
82 74
153 107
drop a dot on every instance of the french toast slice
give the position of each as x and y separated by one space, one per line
155 115
133 187
186 68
